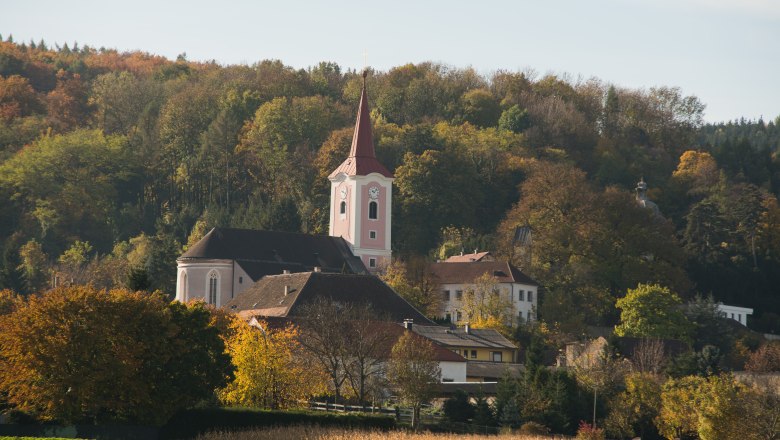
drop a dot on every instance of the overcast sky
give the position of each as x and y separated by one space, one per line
726 52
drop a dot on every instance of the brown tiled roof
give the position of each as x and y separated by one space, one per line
362 159
468 258
464 273
457 337
262 253
267 296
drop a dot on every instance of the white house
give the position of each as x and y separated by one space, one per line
456 278
738 314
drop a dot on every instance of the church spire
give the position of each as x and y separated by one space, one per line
363 138
362 158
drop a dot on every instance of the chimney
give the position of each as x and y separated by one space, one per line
317 269
286 272
467 328
286 290
408 323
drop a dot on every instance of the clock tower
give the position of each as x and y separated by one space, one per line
361 191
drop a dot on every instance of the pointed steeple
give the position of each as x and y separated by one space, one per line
362 158
363 139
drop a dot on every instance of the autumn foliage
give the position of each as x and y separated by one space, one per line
271 369
80 354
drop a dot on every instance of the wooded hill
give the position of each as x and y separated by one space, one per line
111 162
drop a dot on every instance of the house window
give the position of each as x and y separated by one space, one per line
473 354
372 262
459 295
521 295
343 208
529 316
530 296
446 295
240 280
497 356
213 287
448 317
372 210
444 379
460 316
372 235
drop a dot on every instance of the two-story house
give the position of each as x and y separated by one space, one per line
520 291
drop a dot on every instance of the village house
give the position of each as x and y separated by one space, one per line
455 278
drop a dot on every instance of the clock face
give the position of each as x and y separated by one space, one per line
373 193
343 193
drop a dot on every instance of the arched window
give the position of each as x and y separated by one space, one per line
343 208
213 287
372 208
183 286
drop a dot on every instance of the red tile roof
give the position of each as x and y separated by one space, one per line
362 158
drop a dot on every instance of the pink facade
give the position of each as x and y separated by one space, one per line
378 226
342 222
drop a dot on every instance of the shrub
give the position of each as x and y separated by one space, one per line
587 431
533 428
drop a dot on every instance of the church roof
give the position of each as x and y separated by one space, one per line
466 273
267 297
262 253
362 159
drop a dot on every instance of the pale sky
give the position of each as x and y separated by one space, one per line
726 52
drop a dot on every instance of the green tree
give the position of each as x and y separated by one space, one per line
458 408
480 108
514 119
652 311
34 264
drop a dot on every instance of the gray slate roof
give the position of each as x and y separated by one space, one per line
267 296
262 253
457 337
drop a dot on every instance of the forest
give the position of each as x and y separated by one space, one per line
112 163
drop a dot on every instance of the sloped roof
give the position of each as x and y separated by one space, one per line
362 159
262 253
465 273
267 296
468 258
493 370
457 337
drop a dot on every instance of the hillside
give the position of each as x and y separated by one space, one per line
111 162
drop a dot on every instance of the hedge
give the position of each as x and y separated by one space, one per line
190 423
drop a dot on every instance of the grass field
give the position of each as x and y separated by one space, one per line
316 433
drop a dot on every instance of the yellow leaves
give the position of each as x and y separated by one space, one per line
271 369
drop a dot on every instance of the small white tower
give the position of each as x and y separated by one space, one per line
361 193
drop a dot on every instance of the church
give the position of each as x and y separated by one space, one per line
228 261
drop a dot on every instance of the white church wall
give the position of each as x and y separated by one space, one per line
197 276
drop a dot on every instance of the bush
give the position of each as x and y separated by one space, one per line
458 408
533 428
190 423
587 431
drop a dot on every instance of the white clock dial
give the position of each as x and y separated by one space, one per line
373 193
343 193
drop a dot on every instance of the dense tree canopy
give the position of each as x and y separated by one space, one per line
129 151
81 354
